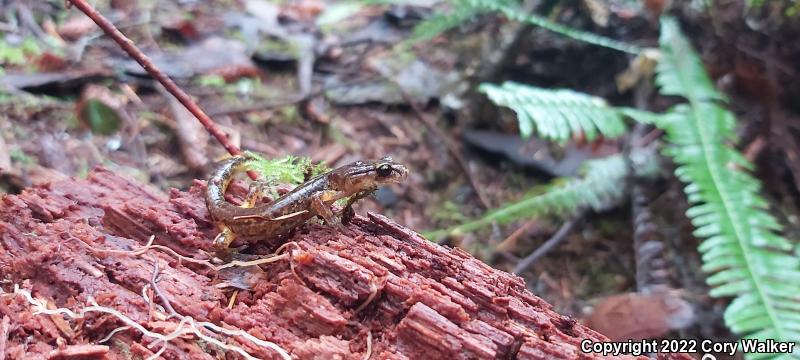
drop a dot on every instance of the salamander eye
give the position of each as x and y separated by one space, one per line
384 169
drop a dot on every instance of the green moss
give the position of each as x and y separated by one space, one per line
279 47
449 212
18 54
287 170
19 156
215 81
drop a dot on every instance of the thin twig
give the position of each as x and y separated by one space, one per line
127 45
232 300
151 306
452 148
548 245
157 291
646 139
369 345
510 242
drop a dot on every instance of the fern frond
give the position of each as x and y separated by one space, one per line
460 12
600 185
679 71
467 9
741 247
641 116
514 13
441 22
557 114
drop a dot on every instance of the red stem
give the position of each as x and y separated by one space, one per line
127 45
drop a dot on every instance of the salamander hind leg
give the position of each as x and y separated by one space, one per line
224 239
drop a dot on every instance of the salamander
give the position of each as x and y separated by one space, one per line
312 198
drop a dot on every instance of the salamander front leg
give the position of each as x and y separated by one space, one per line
348 213
257 191
324 211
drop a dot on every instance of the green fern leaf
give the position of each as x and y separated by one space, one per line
600 186
678 74
556 114
439 23
749 261
463 10
515 13
642 116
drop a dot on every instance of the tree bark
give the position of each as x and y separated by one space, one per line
334 290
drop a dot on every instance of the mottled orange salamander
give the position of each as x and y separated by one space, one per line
312 198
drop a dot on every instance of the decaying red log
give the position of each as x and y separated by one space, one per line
326 299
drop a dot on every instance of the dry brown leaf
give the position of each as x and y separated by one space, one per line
641 67
192 137
76 27
638 316
598 10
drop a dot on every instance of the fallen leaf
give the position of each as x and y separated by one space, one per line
182 28
637 316
234 73
192 137
76 27
338 12
656 7
316 109
641 67
598 11
100 110
243 278
305 10
49 62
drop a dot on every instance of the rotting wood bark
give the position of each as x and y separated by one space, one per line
416 299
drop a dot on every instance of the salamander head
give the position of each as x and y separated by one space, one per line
360 175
